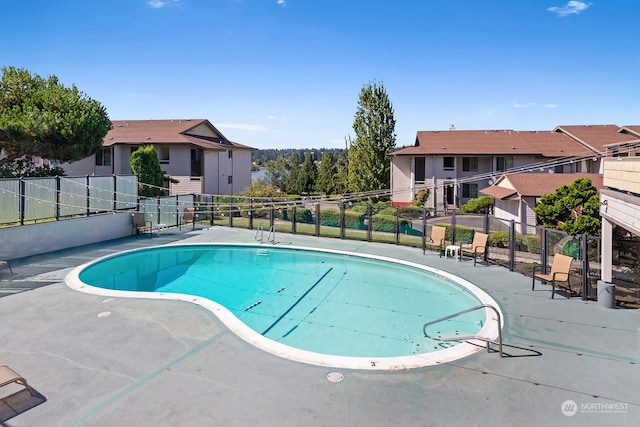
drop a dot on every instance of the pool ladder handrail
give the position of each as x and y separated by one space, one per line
470 337
260 232
271 237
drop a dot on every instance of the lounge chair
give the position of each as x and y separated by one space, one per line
189 216
437 238
477 248
559 273
140 225
9 376
5 264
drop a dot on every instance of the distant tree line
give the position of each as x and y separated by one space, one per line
261 157
362 166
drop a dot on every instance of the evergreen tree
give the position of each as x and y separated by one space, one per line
291 182
41 117
307 175
144 163
374 127
342 175
326 182
573 208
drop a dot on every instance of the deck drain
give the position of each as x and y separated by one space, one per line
104 314
335 377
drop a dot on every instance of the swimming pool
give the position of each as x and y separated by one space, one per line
328 308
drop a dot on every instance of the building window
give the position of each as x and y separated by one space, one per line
504 163
470 191
230 154
229 180
103 157
448 163
163 153
419 169
470 164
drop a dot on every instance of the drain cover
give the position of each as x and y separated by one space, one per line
335 377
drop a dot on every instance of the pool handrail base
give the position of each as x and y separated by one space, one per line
470 337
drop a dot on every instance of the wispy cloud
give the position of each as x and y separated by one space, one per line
533 105
159 4
571 8
282 3
524 105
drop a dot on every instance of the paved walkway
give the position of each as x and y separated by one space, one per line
99 361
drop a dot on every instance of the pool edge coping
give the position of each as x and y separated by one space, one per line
235 325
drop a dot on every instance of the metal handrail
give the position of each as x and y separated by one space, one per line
271 237
470 337
259 231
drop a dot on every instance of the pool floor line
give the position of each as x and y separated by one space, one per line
297 301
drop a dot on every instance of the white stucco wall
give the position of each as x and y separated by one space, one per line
39 238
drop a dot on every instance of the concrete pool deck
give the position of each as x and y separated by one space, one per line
139 362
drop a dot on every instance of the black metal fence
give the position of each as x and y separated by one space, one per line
516 246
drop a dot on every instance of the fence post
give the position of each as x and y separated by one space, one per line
543 249
512 245
115 192
157 210
178 212
250 214
316 207
23 199
88 193
368 223
397 225
424 230
486 223
271 213
293 218
230 212
585 267
342 220
57 214
453 227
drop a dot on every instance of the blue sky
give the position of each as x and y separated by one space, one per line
287 73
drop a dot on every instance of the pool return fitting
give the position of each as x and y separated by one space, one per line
470 337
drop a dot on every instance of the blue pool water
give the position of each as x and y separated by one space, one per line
322 302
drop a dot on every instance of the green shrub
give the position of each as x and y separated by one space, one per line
387 223
330 217
354 220
480 205
389 211
499 238
463 234
304 216
533 244
421 197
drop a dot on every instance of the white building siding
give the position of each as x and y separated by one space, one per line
241 170
402 179
179 161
